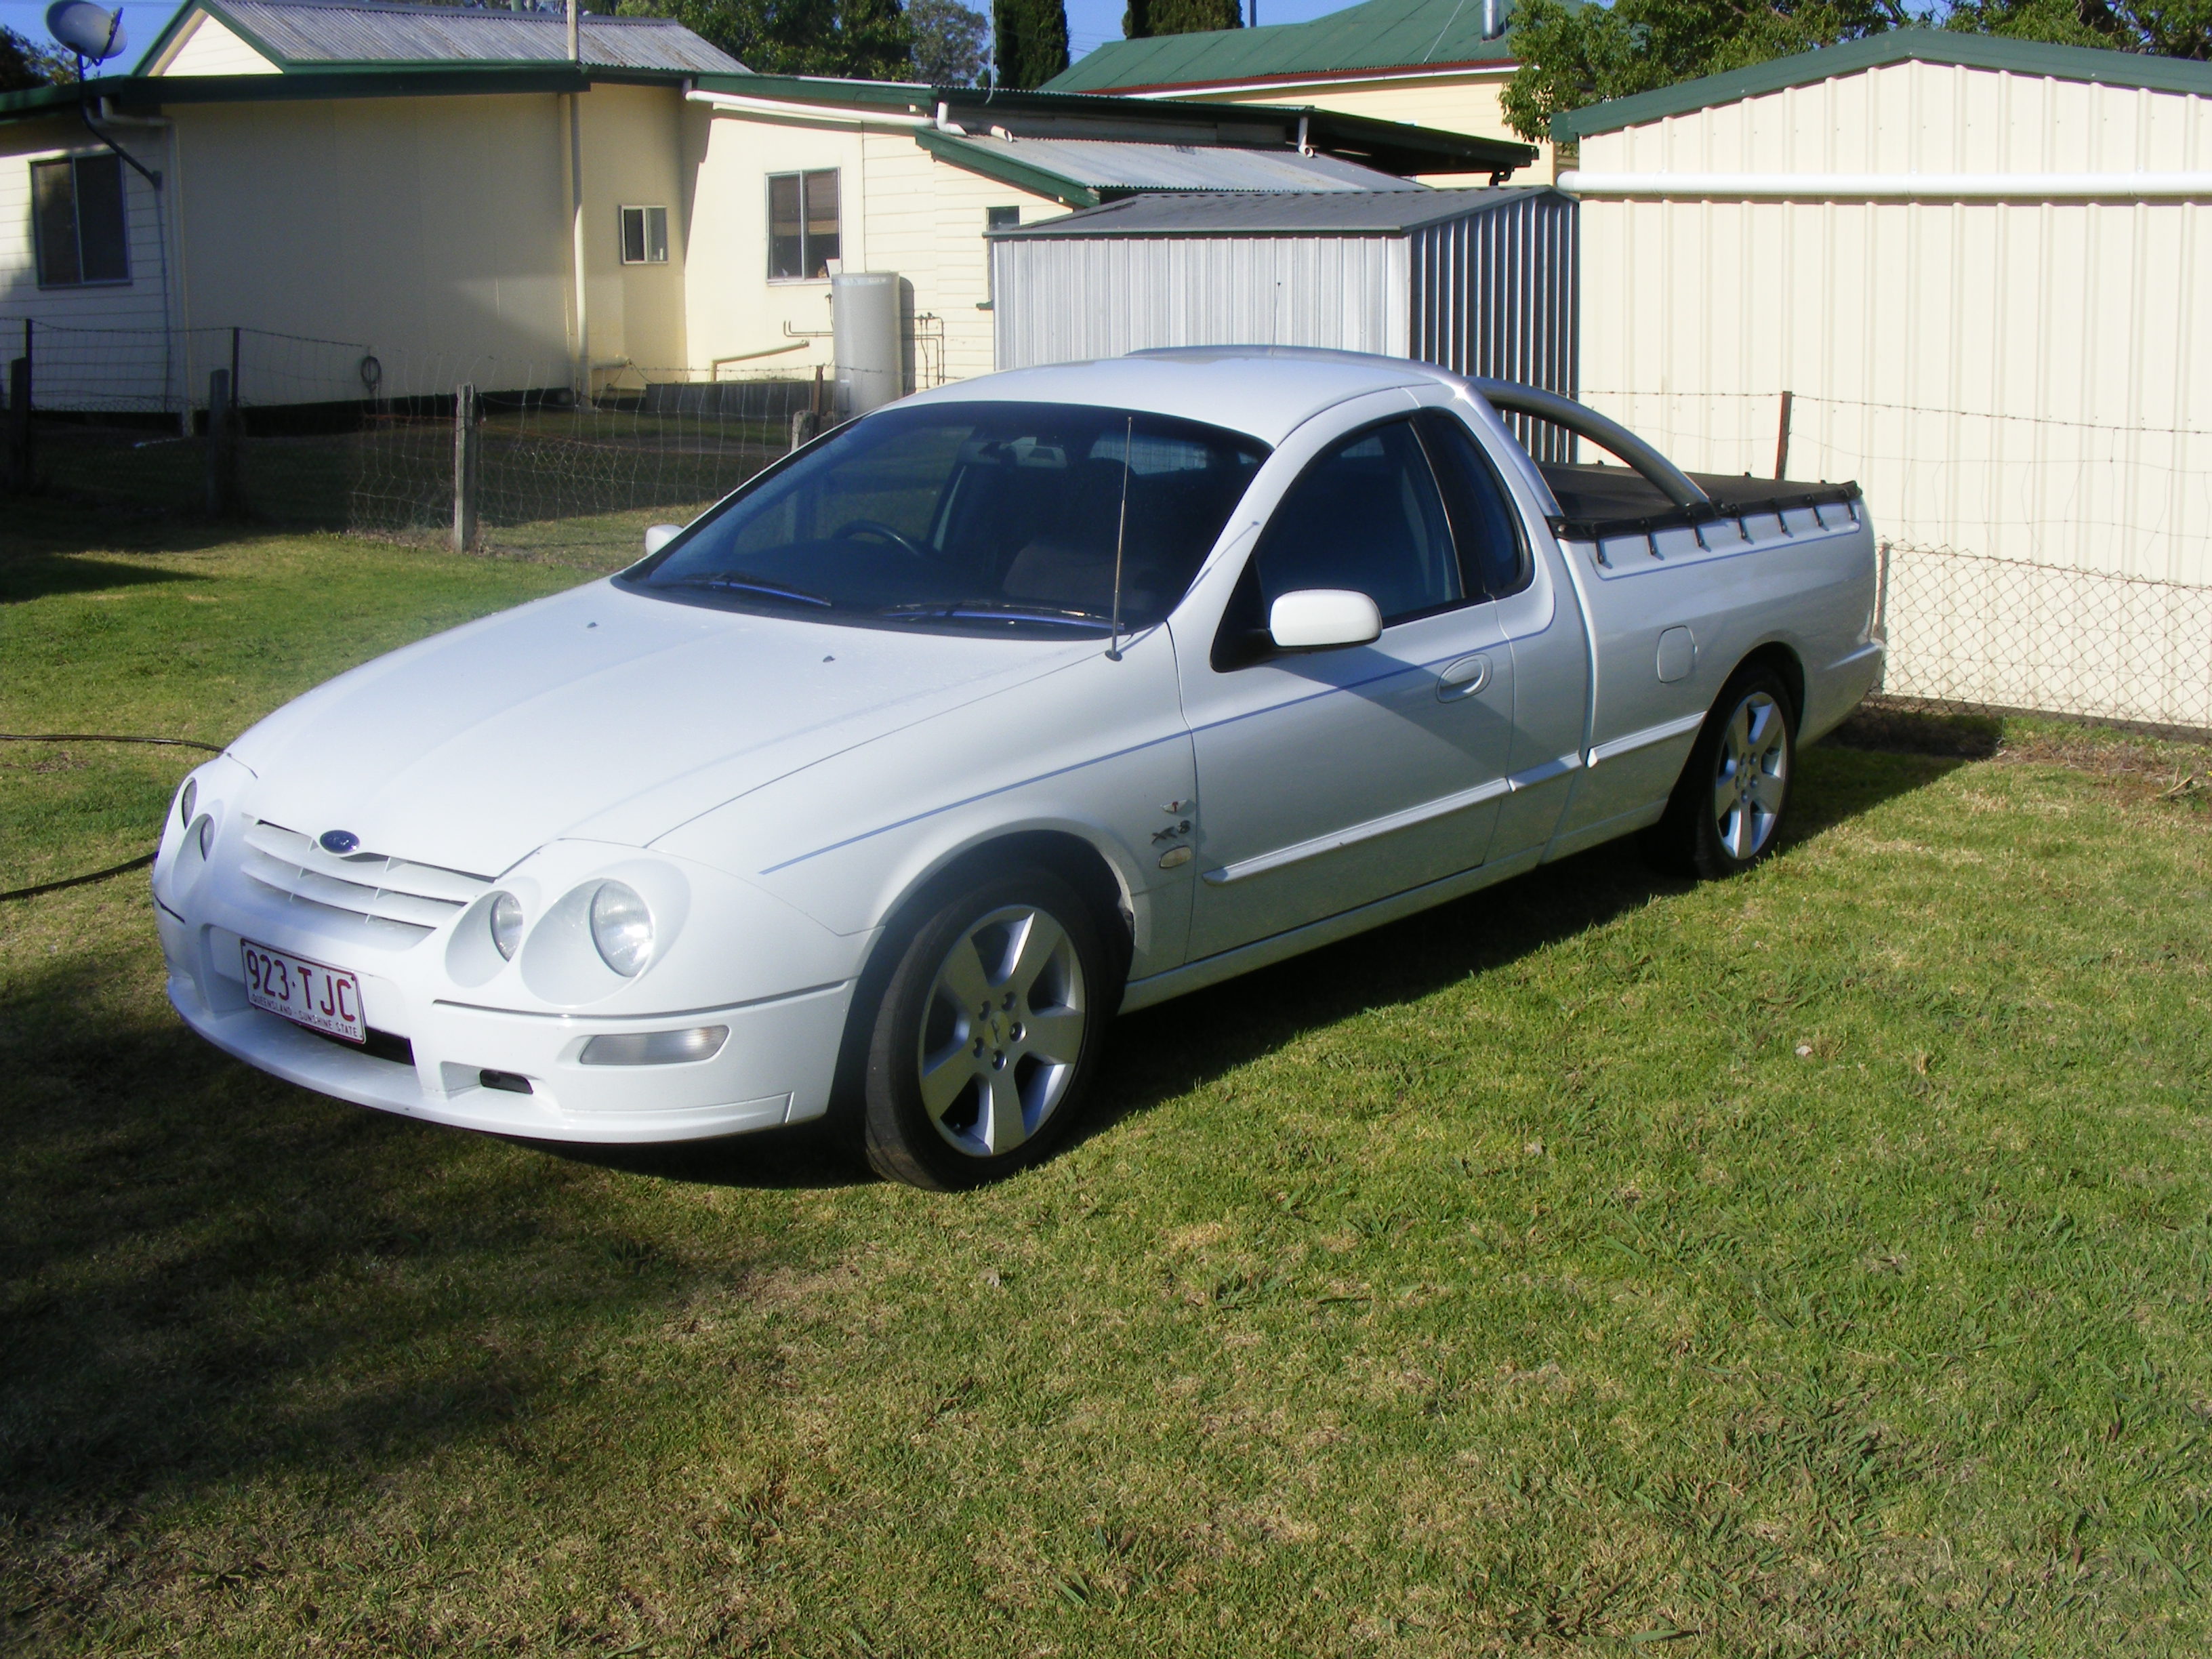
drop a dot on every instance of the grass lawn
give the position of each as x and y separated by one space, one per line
1817 1263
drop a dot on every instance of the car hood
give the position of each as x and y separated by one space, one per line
602 714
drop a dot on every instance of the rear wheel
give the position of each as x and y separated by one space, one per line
1728 809
987 1033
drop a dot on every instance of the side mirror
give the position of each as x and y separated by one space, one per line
660 536
1322 619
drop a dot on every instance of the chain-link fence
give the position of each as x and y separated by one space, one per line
324 443
2048 565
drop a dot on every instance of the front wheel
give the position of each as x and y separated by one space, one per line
1727 811
988 1034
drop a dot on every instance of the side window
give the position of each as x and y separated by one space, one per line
77 207
1366 516
1492 545
645 236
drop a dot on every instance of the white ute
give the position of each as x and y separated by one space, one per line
1019 703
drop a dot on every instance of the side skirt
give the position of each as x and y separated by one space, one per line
1262 953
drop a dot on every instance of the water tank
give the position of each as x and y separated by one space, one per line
864 318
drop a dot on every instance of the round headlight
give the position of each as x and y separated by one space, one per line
207 836
185 801
621 927
505 919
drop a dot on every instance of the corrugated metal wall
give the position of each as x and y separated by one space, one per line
2029 378
1062 299
1494 295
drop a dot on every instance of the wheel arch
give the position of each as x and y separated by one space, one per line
1783 659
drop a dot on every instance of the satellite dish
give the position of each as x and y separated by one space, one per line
86 29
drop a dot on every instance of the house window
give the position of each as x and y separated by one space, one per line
78 205
645 236
802 224
998 218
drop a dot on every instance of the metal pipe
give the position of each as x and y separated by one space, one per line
1892 186
827 116
583 371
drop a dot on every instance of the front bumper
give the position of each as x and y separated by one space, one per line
774 1068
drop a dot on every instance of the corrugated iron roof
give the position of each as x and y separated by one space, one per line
1107 164
310 33
1329 213
1379 34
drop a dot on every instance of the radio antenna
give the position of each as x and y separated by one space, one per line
1121 539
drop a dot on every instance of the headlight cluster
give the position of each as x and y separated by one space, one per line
621 927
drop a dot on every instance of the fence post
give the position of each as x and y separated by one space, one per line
19 423
464 469
221 448
805 427
1782 439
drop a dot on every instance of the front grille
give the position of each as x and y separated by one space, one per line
396 900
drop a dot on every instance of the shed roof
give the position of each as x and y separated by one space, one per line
319 35
1334 213
2132 69
1381 35
1113 166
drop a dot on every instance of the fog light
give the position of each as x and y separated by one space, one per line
655 1047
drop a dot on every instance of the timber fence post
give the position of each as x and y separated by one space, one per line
222 449
465 468
19 424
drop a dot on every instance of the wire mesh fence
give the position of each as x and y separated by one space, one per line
2048 565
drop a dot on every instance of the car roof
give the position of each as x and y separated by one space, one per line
1267 392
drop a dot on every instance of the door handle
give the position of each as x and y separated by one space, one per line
1463 678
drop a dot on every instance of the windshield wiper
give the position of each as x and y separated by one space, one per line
993 609
736 581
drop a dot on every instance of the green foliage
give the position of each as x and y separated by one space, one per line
867 40
2178 29
951 43
1032 41
1144 18
25 64
1571 55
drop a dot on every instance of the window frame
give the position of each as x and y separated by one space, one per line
806 236
993 221
1524 554
75 161
1236 647
645 212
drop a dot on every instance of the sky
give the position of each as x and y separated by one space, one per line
1090 23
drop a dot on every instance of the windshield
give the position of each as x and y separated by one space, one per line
988 517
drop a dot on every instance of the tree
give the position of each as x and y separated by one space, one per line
24 63
2178 29
950 42
1145 18
1575 54
1572 55
868 39
1031 46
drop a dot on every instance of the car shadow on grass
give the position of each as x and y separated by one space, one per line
1167 1051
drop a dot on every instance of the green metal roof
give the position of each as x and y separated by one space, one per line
1388 146
1381 35
1985 51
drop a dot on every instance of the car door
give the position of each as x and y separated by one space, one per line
1507 544
1330 779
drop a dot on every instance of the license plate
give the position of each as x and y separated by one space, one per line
322 998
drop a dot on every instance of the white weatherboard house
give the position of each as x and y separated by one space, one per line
1984 269
402 179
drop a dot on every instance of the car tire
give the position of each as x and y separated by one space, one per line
987 1032
1730 805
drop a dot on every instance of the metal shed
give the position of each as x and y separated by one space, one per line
1480 281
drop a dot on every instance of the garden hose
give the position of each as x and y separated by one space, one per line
92 737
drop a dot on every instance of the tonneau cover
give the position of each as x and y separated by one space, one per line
1598 502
